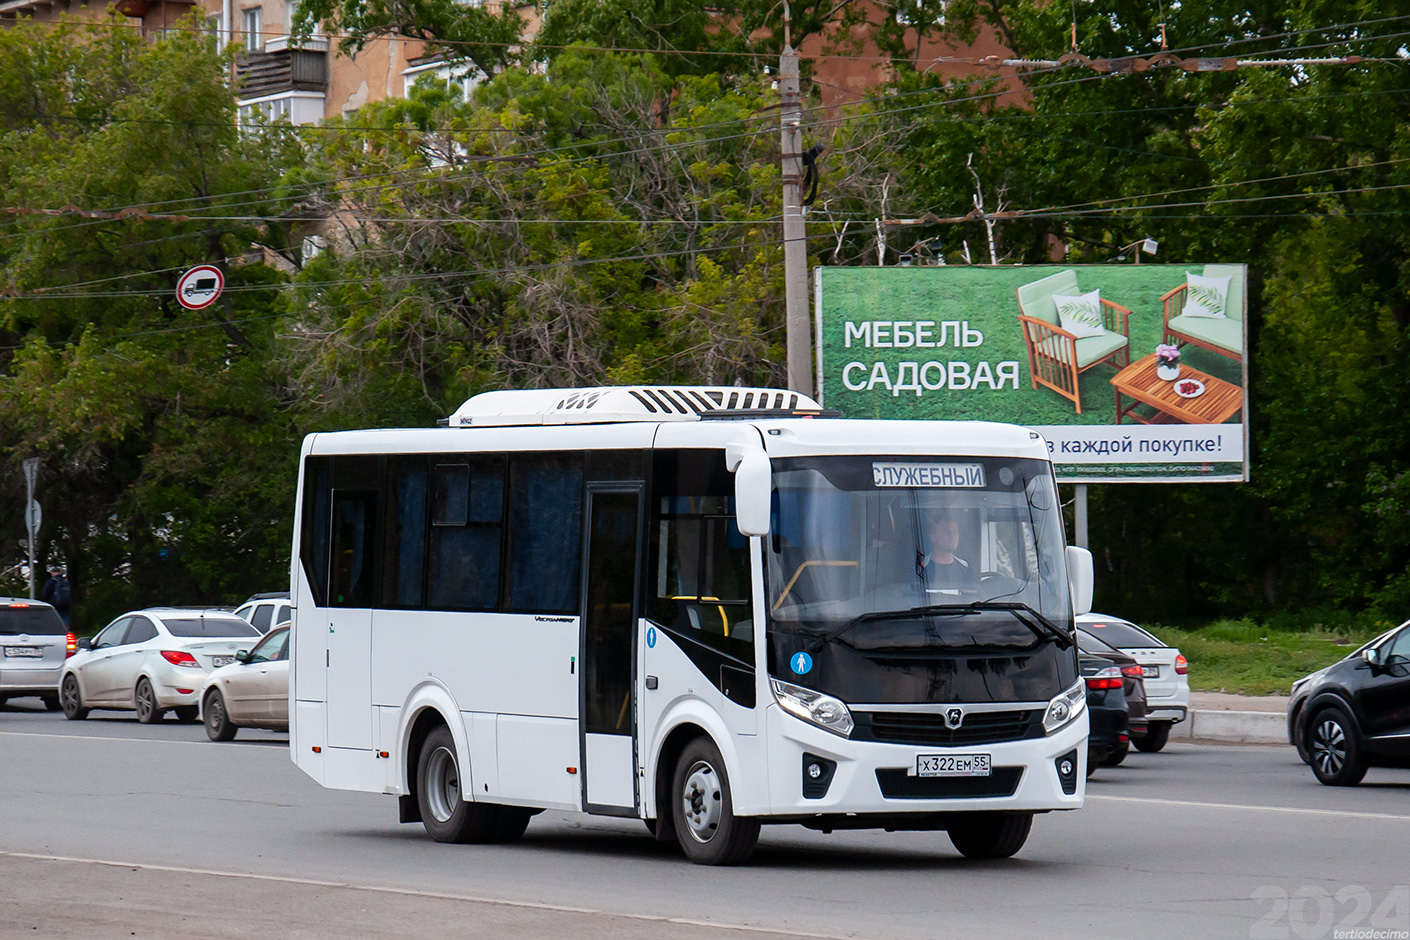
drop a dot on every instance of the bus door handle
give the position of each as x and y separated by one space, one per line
651 682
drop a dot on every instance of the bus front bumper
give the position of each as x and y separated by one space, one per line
869 777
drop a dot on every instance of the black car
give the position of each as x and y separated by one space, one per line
1133 689
1107 711
1355 713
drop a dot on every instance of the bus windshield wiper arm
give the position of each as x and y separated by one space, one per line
1023 613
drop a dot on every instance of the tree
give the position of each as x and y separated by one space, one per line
167 462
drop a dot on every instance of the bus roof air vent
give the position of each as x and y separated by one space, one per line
631 403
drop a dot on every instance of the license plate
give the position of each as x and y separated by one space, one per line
1150 672
23 652
222 660
952 765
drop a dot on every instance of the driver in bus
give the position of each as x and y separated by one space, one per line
940 566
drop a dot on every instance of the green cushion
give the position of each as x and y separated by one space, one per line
1227 333
1036 299
1089 350
1096 348
1234 304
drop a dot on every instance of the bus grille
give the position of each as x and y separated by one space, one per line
897 784
927 729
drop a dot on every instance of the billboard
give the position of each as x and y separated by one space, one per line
1133 373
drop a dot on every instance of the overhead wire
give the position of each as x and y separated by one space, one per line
676 144
825 122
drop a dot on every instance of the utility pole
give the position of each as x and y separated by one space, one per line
795 238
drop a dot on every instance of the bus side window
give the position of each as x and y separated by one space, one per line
467 525
545 533
404 544
699 579
313 543
354 535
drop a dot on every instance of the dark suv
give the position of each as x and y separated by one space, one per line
1355 714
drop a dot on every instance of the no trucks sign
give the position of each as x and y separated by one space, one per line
199 287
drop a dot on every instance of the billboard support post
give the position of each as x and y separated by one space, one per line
795 245
1079 517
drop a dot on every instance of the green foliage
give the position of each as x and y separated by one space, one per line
487 37
166 465
590 216
1248 658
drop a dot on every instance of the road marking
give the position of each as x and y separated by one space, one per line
54 736
436 895
1344 813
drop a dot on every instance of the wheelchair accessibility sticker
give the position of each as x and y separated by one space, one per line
802 663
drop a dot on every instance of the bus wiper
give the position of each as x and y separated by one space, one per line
1041 626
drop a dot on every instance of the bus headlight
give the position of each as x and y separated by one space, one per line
1065 708
815 708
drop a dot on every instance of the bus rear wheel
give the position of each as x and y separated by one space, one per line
991 835
706 827
441 797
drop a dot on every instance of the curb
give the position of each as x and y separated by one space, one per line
1233 727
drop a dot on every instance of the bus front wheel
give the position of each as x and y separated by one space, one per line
441 797
991 835
706 827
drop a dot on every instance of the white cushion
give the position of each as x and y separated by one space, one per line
1205 297
1080 314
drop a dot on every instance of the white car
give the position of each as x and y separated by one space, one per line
252 692
266 611
151 661
1163 668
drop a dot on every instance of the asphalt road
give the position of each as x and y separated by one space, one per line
115 829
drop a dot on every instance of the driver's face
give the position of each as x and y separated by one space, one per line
945 535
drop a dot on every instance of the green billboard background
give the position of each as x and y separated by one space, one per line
984 299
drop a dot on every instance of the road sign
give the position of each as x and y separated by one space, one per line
199 287
33 519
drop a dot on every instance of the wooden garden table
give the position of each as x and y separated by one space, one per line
1220 402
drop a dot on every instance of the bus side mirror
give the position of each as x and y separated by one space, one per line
1080 578
753 487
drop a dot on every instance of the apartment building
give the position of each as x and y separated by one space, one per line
309 80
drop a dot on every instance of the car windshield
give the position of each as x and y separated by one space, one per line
271 648
33 619
947 570
1120 634
224 625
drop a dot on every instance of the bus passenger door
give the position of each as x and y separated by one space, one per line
611 562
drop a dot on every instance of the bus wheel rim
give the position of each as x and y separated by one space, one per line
442 784
702 802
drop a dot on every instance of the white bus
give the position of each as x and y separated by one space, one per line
707 608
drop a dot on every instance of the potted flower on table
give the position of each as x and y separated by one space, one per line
1167 361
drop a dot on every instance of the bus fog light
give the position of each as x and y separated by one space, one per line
1065 707
813 707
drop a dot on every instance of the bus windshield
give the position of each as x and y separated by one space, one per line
911 579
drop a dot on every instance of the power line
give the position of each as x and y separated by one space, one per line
872 99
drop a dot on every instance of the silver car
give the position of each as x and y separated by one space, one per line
252 692
1164 671
34 643
152 661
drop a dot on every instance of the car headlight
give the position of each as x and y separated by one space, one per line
1065 707
813 707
